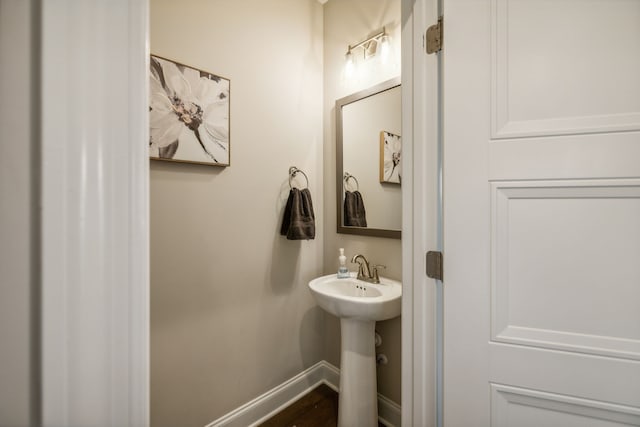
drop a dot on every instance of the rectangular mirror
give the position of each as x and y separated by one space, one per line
368 166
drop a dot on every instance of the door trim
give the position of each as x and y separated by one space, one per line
419 215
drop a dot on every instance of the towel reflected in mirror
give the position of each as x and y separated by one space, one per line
354 211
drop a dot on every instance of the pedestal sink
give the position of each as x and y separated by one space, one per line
359 305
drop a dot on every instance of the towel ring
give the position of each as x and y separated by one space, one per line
293 171
347 177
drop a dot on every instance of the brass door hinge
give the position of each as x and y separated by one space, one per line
434 265
434 37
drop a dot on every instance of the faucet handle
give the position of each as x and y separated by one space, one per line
374 272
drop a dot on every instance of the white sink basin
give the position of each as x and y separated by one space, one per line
356 299
359 305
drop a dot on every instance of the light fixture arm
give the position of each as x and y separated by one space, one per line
365 43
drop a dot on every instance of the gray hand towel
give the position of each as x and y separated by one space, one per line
298 222
354 212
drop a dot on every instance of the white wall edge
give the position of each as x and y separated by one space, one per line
95 213
407 377
273 401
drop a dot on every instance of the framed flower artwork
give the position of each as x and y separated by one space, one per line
390 156
188 114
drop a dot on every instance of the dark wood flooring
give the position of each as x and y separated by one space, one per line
318 408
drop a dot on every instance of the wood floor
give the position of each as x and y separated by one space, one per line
318 408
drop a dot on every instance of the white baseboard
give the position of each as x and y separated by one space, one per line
270 403
389 412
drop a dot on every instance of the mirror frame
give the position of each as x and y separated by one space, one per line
362 231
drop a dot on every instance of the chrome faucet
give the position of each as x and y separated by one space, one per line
365 271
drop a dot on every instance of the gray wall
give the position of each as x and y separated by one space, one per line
18 217
231 315
348 22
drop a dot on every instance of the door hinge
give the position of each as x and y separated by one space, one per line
434 265
434 37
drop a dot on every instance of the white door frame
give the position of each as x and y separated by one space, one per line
420 196
95 221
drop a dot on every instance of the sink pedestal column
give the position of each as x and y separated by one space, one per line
358 406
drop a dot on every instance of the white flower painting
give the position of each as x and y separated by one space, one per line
390 156
188 114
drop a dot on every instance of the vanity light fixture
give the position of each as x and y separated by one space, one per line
370 46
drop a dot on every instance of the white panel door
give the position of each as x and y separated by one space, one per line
541 213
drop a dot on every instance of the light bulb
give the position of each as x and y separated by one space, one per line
385 48
349 67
